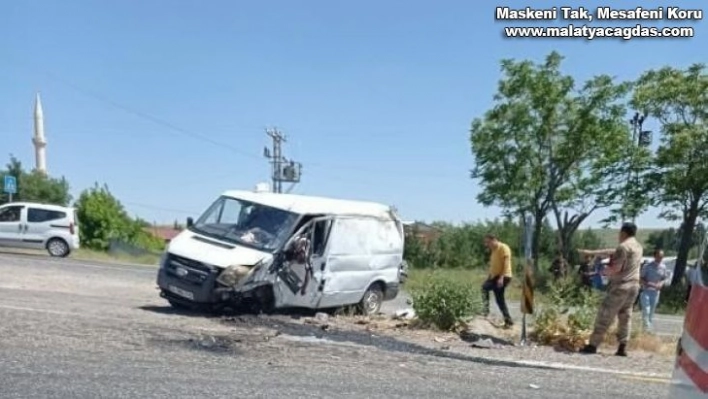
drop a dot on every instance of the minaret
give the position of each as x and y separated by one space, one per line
40 143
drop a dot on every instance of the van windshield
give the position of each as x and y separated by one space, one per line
246 223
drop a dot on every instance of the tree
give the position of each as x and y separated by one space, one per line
546 146
35 186
462 246
663 239
678 99
102 219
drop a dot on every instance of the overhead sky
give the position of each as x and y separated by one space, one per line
167 101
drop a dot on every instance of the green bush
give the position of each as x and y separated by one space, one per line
445 303
103 219
566 316
142 239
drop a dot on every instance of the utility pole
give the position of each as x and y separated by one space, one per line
640 138
282 169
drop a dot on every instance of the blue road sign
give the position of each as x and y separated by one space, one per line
10 186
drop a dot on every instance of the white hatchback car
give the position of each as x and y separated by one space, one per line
39 226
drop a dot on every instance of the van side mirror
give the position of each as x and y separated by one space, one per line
190 222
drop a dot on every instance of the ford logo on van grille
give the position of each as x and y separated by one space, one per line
181 272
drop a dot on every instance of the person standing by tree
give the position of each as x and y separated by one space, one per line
586 271
653 276
624 276
500 274
559 267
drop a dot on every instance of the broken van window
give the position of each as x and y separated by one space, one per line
246 223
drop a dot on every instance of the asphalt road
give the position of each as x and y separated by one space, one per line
86 330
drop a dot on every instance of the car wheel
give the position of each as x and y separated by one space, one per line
371 302
58 248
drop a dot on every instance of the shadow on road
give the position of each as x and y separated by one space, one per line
38 254
169 310
321 333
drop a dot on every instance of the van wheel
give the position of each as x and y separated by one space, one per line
371 302
58 248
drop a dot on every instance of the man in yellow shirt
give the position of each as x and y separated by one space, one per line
500 275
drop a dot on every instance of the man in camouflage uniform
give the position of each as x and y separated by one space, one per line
624 276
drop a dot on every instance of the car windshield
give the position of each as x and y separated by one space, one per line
246 223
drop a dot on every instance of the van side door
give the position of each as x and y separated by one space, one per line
362 250
300 279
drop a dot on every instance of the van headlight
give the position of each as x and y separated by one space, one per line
163 260
232 275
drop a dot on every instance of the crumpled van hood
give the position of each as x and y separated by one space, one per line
194 246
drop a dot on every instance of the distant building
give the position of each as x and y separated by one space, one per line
424 232
166 233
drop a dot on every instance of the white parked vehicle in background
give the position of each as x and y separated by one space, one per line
39 226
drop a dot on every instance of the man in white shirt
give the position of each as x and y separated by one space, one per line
653 276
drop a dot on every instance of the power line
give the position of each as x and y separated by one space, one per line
185 132
158 208
158 121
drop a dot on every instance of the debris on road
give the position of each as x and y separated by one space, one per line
482 333
405 314
485 343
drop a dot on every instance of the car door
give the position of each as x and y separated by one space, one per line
39 225
11 225
300 279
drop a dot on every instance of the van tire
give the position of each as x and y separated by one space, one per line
371 301
58 248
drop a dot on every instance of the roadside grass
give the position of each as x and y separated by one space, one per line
91 255
564 316
570 332
646 342
419 279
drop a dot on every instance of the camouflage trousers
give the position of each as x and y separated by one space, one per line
619 303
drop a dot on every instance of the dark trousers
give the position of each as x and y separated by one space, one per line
491 285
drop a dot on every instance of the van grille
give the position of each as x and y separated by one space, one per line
187 270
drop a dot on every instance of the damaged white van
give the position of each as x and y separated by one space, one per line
285 251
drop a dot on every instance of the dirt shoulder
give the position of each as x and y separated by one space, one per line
497 344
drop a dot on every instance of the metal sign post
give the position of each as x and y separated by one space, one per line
528 283
10 186
698 274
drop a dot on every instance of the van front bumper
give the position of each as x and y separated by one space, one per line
187 281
